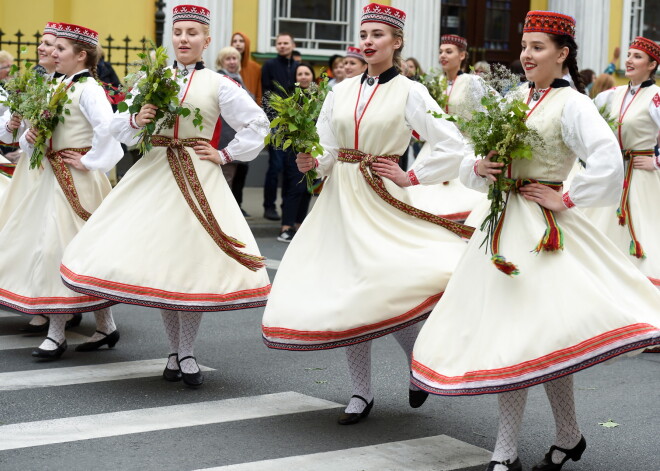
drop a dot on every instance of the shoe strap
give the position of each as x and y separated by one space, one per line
186 358
54 341
360 398
173 355
102 333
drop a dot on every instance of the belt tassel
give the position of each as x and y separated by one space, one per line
623 211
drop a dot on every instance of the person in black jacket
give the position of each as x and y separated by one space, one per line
279 70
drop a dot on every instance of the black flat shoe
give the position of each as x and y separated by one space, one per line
574 454
510 466
350 418
192 380
170 374
74 321
417 398
33 329
110 340
50 354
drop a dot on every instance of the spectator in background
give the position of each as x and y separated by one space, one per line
106 73
611 67
6 60
336 67
228 63
588 77
297 56
250 69
412 69
603 82
481 68
295 204
354 63
280 70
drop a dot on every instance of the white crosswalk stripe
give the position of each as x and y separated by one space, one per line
47 432
439 453
17 380
10 342
273 264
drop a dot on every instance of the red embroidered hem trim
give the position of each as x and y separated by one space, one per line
412 178
568 202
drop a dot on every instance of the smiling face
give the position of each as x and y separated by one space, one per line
378 44
353 67
338 71
189 40
450 58
304 76
67 60
541 59
230 63
284 45
45 51
639 66
238 43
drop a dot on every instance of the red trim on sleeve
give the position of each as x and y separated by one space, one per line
568 202
416 134
474 169
316 163
133 122
226 157
656 100
413 178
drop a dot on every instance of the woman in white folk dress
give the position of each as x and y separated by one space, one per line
567 309
171 234
57 202
365 263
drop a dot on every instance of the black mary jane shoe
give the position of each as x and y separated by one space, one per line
417 398
50 354
34 329
350 418
73 322
170 374
510 466
110 340
192 380
574 454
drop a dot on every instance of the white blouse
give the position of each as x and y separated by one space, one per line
605 99
237 109
447 145
586 133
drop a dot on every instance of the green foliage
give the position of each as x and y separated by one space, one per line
17 87
611 121
295 124
501 125
436 83
154 83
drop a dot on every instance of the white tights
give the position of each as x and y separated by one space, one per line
104 323
181 328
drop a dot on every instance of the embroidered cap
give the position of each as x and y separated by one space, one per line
375 12
549 22
354 52
191 13
51 28
78 33
646 45
458 41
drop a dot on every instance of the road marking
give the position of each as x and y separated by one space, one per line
273 264
29 379
47 432
440 453
10 342
9 314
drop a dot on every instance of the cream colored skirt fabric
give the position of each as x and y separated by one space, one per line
357 269
38 223
564 312
451 200
644 201
145 246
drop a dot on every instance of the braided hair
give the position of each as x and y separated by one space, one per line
570 63
92 58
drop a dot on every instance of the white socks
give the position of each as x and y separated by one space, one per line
512 407
181 328
55 331
406 339
562 401
104 323
359 366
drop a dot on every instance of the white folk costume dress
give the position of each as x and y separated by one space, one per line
566 310
451 199
147 245
55 206
359 267
633 224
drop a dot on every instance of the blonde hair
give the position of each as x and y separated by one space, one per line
398 53
603 82
226 52
6 57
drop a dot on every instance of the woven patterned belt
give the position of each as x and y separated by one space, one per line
623 212
65 179
376 183
552 240
188 182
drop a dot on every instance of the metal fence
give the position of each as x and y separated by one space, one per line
116 53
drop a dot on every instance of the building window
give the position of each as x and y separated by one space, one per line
651 21
320 27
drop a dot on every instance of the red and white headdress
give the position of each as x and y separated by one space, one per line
549 22
78 33
51 28
458 41
191 13
375 12
646 45
354 52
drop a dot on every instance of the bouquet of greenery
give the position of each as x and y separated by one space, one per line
500 126
436 83
45 108
611 121
154 83
295 124
17 88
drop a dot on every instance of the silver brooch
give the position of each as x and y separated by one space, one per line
632 91
184 72
370 81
